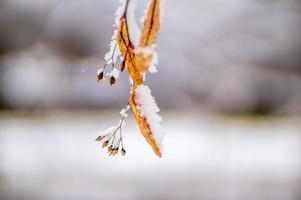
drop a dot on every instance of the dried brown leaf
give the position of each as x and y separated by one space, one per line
144 126
138 63
151 25
127 50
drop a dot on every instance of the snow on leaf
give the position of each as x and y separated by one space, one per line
146 51
149 109
149 35
135 49
145 112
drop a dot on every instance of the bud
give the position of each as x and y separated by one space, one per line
111 151
115 151
114 75
99 138
100 76
112 80
123 151
105 144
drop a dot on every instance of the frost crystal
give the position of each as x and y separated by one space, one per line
114 73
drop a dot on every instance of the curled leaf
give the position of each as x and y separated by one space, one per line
151 25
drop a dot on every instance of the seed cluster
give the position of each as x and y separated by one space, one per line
114 73
112 137
137 57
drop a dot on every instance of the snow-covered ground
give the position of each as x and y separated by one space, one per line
54 156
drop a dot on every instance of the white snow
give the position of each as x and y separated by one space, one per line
149 51
119 12
114 73
108 135
154 63
114 53
149 109
145 50
109 131
134 30
124 111
99 71
113 140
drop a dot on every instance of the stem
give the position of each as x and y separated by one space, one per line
118 130
111 58
126 8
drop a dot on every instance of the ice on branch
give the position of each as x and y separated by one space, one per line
149 109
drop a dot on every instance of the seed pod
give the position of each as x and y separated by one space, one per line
105 144
112 80
111 151
115 152
100 76
99 138
123 151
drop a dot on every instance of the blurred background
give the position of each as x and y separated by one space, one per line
229 89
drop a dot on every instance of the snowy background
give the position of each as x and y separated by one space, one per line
229 86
